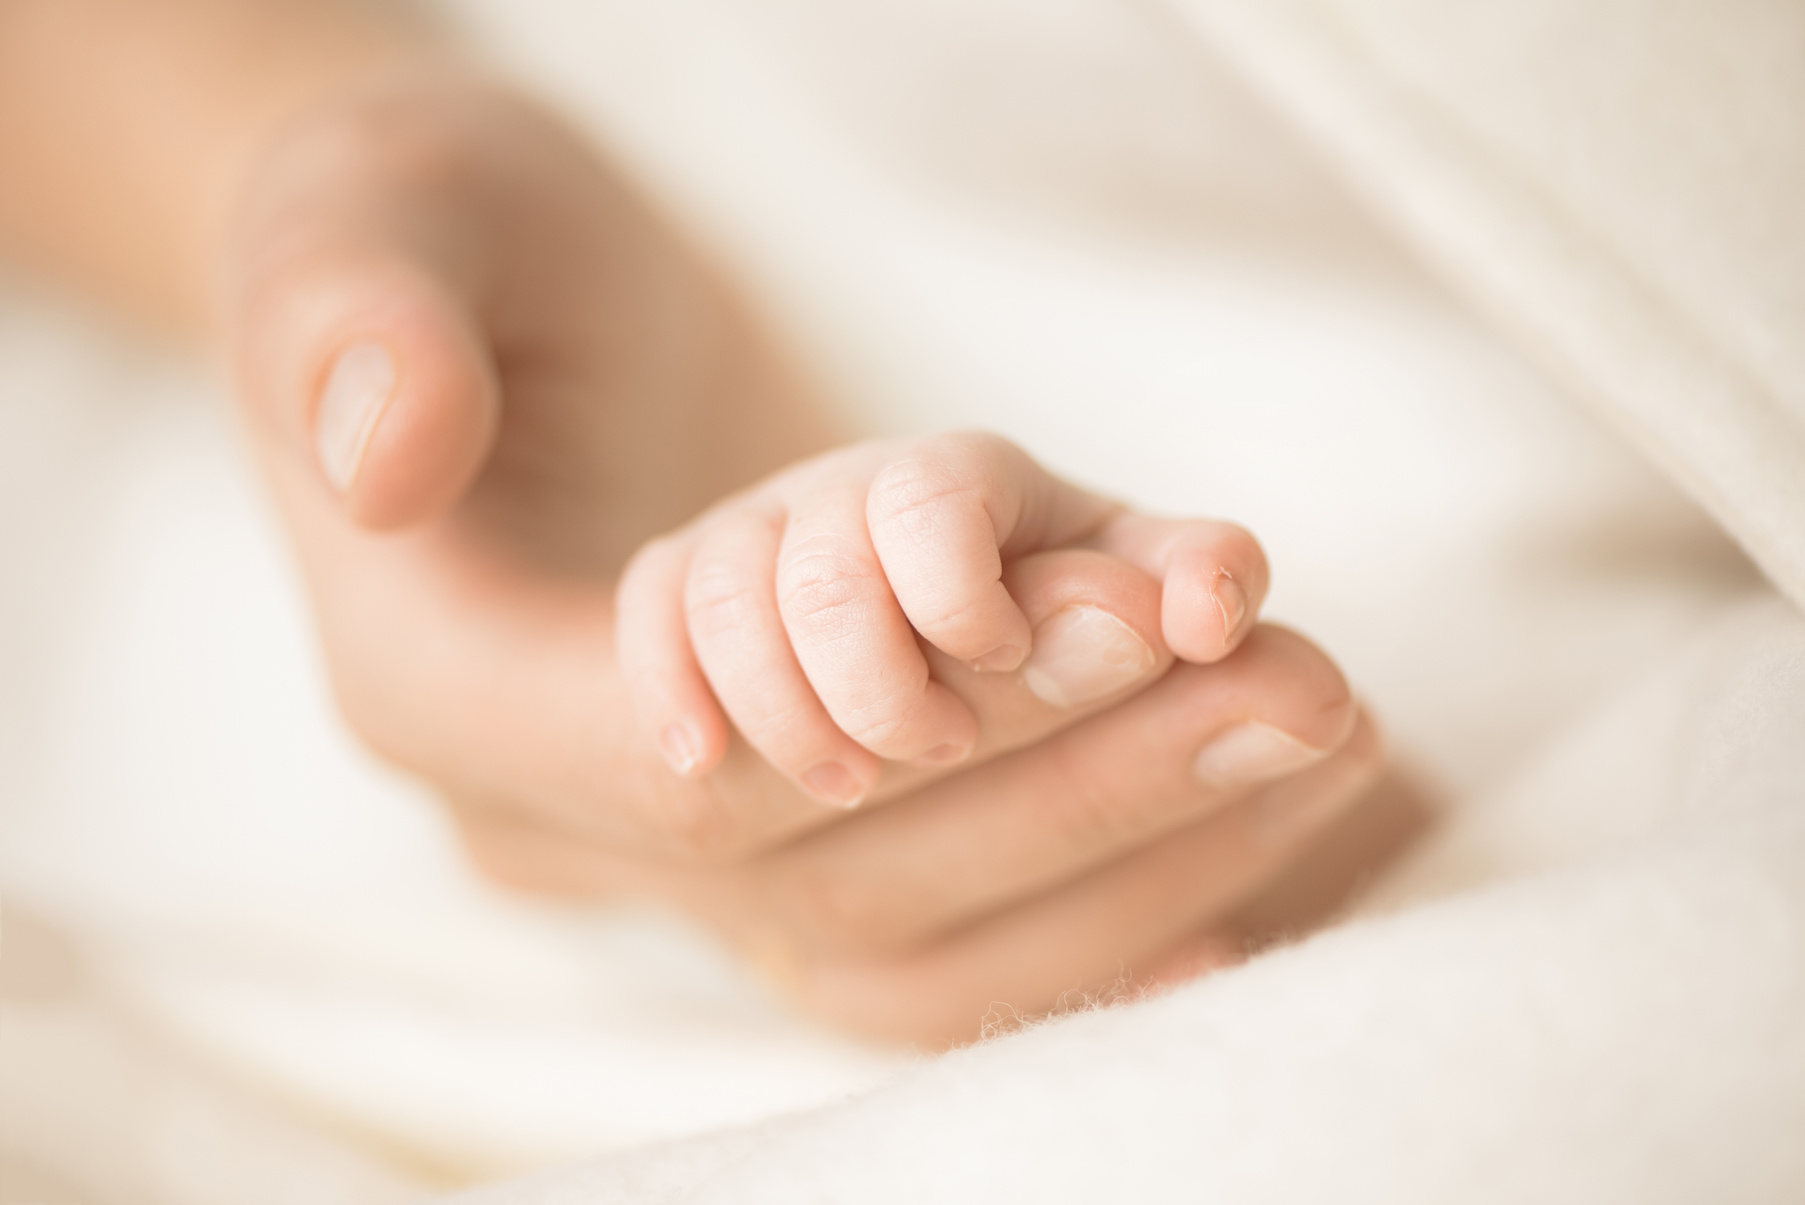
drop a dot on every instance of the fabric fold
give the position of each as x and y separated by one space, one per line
1490 138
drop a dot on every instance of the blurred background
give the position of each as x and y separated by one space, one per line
243 961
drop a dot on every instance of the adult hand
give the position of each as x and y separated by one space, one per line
480 371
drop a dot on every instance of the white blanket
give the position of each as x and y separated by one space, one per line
1627 1024
1589 987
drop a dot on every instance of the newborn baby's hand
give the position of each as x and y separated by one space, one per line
828 610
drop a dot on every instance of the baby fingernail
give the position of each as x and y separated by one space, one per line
680 748
356 393
1084 653
1231 602
946 755
832 783
1251 752
1001 659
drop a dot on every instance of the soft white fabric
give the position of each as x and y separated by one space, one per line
1624 1020
1620 184
1073 222
96 1110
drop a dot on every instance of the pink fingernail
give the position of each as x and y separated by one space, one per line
999 660
1231 603
1251 752
681 748
356 393
834 784
1084 653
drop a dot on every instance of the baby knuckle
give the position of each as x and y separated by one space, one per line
877 728
885 724
955 618
916 493
822 589
716 596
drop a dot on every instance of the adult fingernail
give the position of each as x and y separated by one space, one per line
356 393
832 783
1251 752
1084 653
1231 603
680 747
999 660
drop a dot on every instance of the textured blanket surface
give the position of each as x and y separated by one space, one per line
1625 1023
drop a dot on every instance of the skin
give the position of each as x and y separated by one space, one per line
286 182
843 612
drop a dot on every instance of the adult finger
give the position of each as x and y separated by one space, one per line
978 843
1095 620
1088 938
356 342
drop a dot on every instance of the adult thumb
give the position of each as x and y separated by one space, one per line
371 379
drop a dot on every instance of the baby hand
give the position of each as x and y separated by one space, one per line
841 612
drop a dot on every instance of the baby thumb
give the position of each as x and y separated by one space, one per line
376 374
